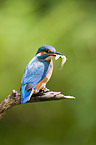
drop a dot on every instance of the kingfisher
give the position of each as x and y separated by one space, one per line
38 72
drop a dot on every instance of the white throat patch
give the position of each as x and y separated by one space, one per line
39 54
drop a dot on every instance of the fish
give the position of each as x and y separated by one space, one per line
63 60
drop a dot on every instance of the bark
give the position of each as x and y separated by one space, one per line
15 99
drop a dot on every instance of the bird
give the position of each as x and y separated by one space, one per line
38 72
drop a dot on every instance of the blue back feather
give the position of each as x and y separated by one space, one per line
34 72
24 93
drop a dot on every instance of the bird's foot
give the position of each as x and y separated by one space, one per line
45 90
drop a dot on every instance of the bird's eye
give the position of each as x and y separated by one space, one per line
48 51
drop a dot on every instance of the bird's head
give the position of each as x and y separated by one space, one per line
46 52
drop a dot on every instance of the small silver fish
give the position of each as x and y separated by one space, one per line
63 59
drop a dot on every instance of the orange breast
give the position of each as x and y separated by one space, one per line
44 81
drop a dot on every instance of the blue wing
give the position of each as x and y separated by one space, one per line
34 72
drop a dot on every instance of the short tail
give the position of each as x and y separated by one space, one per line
25 94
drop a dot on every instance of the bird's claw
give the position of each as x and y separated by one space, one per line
45 90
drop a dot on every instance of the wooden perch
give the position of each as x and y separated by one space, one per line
15 99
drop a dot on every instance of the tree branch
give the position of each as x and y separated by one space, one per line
15 99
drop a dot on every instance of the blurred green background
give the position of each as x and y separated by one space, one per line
69 26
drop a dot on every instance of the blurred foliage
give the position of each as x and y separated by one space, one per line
69 26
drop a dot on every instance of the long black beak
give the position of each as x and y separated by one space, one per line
57 53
